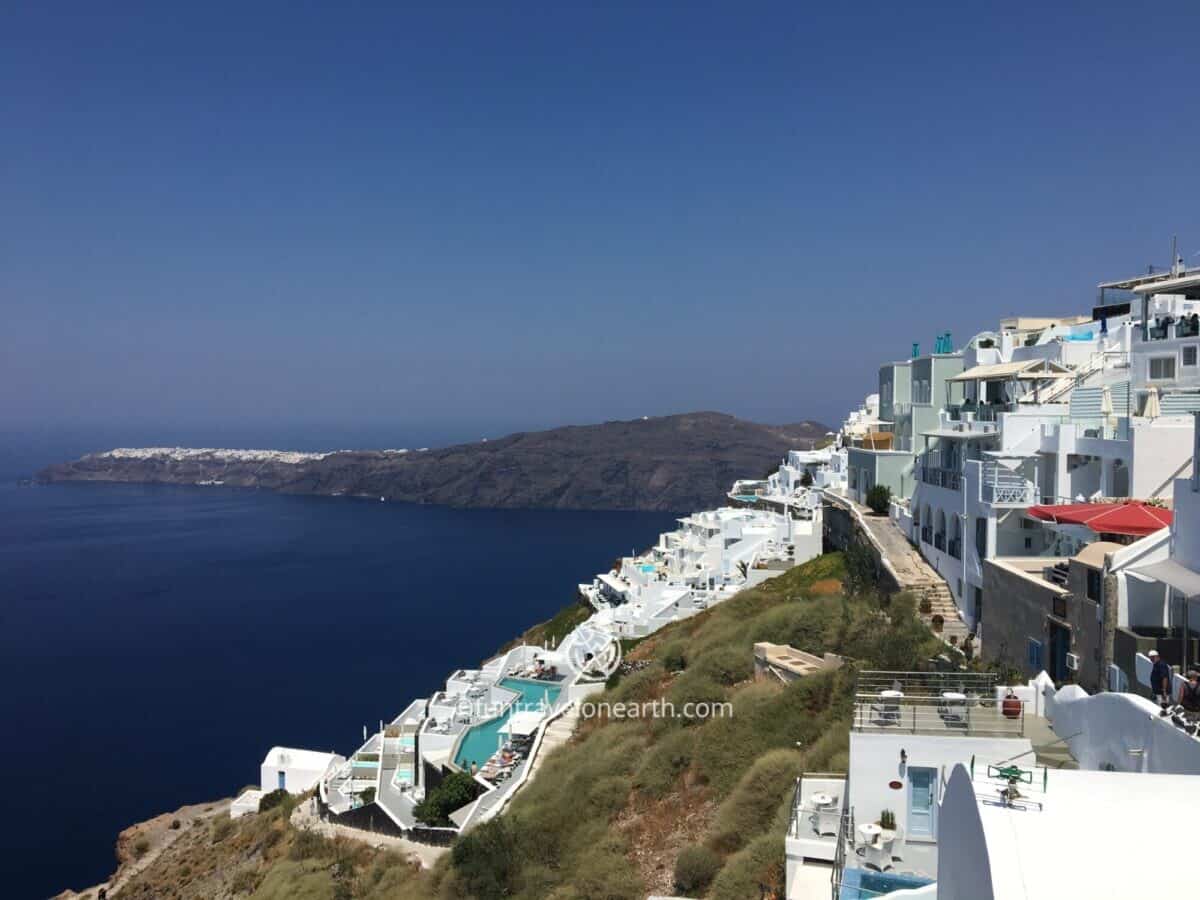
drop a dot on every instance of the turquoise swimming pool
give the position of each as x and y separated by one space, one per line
481 741
861 884
746 498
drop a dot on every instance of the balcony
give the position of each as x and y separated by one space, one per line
937 703
951 479
1001 486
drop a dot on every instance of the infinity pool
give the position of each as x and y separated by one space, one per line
481 741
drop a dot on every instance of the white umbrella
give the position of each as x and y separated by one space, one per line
1152 410
1106 405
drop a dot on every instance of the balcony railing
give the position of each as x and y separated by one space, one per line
950 479
955 712
1001 486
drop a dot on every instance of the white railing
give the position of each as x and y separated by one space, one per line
1001 486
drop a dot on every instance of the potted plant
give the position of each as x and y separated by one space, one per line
925 606
887 820
937 622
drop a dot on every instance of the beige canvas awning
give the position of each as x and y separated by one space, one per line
1030 368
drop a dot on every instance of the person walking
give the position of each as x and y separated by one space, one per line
1160 679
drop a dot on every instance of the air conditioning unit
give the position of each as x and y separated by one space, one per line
1072 662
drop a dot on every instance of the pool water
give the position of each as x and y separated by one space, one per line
481 741
746 498
860 884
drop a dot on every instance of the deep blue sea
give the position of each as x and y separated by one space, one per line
156 641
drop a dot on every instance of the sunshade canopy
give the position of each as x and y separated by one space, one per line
1131 518
1175 574
1024 370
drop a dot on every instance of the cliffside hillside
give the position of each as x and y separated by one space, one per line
680 462
630 805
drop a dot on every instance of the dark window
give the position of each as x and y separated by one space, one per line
1060 607
981 537
978 606
1189 355
1095 585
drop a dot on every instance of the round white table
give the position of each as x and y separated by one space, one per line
954 697
821 800
892 695
872 832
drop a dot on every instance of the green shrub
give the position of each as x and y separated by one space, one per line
245 881
692 693
879 498
222 826
674 656
726 665
176 824
750 807
274 799
759 865
485 860
141 848
309 845
367 796
666 760
695 869
456 791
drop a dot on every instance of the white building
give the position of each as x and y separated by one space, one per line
295 771
1048 414
973 813
711 556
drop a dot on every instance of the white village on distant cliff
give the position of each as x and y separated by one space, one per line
1036 488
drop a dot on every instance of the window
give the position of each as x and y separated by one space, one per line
1095 585
1162 368
1035 655
1059 607
978 606
1189 355
981 537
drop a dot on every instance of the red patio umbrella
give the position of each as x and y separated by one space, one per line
1132 518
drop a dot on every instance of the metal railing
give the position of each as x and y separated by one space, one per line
939 477
795 824
970 715
845 836
926 684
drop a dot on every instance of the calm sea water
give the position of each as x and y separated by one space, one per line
156 641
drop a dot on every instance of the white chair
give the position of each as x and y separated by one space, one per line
898 843
878 854
828 820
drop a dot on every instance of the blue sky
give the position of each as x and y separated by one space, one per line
553 213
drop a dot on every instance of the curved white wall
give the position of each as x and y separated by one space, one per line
964 868
1121 731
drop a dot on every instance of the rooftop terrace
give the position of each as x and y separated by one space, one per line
937 703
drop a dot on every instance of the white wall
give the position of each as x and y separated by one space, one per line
1106 729
1185 536
964 868
875 762
1158 453
298 778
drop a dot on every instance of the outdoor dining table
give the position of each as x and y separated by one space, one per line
871 833
820 800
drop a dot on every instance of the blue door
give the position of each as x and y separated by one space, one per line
282 780
922 807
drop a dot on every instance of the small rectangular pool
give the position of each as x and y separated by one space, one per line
862 884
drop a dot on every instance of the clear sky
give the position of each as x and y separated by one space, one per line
557 213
